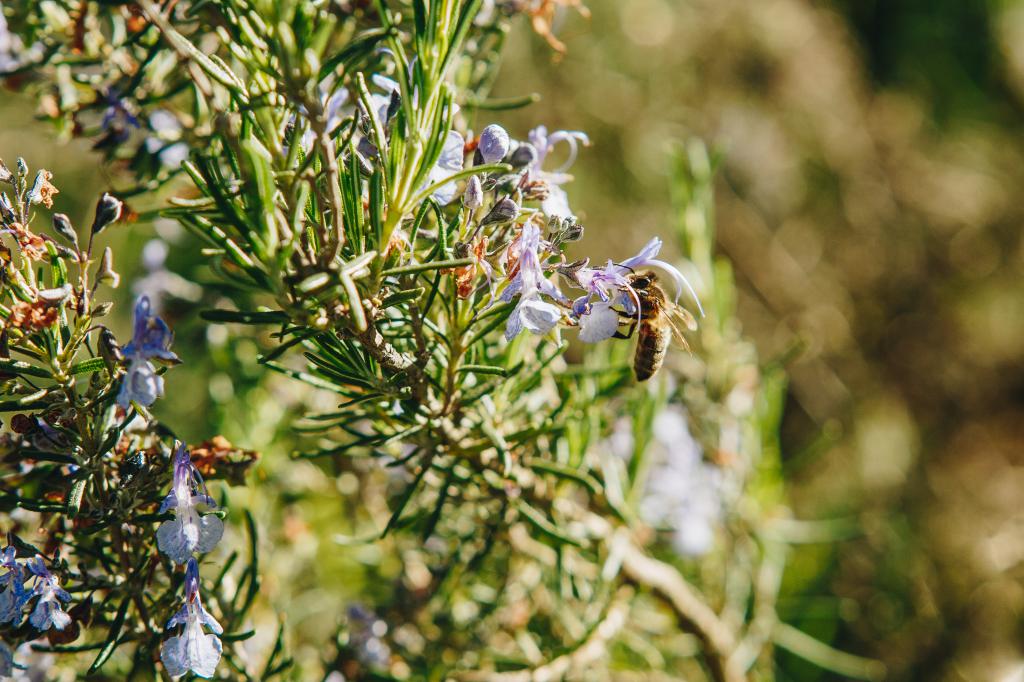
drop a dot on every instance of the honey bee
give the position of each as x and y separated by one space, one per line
657 324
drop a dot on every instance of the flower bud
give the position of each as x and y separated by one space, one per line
474 195
106 272
62 226
110 350
493 145
108 210
565 230
524 155
504 210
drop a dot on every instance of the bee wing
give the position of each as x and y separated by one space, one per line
685 316
676 316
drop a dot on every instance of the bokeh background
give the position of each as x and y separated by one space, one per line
872 161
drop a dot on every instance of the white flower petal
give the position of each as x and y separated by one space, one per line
514 324
203 653
172 653
557 203
211 528
171 540
539 316
601 323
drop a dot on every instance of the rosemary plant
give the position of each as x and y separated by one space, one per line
570 520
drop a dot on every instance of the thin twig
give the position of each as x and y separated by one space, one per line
156 17
718 641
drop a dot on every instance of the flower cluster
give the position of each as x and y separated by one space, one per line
531 261
29 584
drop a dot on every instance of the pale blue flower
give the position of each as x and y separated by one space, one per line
556 204
151 340
14 595
609 287
48 611
683 493
189 531
448 163
646 258
193 650
529 283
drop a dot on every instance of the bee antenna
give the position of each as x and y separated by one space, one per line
627 267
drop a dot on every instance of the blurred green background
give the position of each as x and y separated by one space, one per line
868 197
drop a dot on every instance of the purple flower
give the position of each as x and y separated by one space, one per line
14 596
532 312
151 339
493 145
365 636
557 201
192 650
598 320
189 531
646 258
117 116
683 492
449 162
48 612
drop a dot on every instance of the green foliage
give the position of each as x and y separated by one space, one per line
517 486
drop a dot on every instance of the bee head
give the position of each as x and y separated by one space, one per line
643 280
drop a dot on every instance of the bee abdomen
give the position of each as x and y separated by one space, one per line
651 346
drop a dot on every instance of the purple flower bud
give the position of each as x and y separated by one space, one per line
474 194
62 226
504 211
108 210
493 145
524 156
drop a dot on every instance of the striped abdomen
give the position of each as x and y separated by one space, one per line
651 345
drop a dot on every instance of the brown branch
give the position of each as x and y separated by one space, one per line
395 361
694 615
